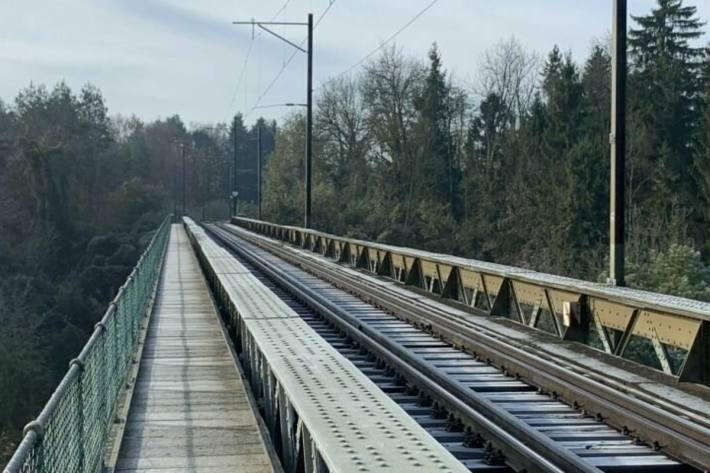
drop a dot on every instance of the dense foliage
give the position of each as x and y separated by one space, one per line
80 194
516 170
512 168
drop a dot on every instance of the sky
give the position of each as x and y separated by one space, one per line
157 58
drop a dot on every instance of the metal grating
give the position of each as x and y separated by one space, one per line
600 445
324 407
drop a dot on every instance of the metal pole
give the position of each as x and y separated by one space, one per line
234 171
309 123
618 145
175 187
203 182
258 168
184 211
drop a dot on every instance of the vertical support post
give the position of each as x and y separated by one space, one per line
618 145
695 368
116 352
204 179
309 123
175 187
203 184
182 147
234 171
80 416
258 168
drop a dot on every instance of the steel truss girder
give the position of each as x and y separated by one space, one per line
567 308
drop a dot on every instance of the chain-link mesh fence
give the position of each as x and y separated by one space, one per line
71 431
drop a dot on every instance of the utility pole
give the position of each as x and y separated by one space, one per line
234 171
309 124
184 211
175 187
618 146
203 185
258 168
309 96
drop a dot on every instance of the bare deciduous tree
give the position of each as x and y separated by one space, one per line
341 122
390 87
510 72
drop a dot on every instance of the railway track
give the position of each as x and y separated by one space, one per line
489 419
671 426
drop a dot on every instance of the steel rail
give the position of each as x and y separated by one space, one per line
672 432
451 320
524 446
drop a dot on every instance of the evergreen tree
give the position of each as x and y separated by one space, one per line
596 96
557 191
589 167
664 101
679 270
483 179
284 174
702 151
436 175
563 92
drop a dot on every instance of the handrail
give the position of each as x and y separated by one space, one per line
610 318
71 431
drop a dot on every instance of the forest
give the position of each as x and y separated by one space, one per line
511 166
514 167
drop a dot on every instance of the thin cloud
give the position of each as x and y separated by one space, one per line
160 57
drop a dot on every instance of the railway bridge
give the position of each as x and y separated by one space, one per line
247 346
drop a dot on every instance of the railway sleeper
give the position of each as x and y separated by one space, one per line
582 435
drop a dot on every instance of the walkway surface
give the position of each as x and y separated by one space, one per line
190 411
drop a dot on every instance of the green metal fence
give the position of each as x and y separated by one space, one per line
70 434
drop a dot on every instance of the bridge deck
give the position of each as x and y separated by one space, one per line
328 415
190 410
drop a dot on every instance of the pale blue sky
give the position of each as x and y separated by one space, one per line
155 58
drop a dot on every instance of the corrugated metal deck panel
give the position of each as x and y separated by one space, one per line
353 425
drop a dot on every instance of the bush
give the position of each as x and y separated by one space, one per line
679 271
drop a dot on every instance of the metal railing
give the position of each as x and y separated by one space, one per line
620 321
71 432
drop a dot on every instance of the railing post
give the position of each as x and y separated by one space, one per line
136 277
103 408
128 317
116 349
80 410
